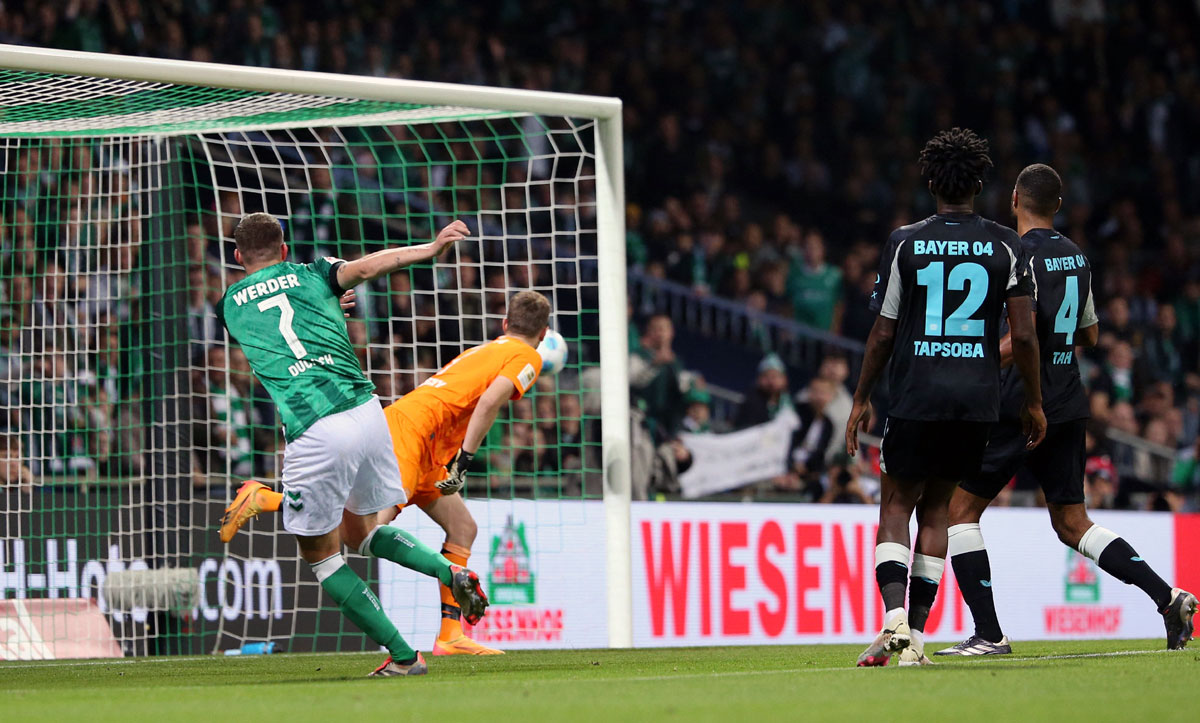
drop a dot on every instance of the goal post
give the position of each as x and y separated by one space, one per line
136 166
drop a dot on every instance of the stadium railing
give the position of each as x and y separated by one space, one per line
797 344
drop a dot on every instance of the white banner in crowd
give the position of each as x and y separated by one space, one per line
542 565
724 461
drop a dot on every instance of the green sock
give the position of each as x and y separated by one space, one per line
392 543
359 604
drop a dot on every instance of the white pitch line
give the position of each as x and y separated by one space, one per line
167 659
714 674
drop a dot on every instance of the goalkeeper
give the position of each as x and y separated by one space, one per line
436 431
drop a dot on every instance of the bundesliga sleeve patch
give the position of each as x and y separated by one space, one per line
526 377
331 260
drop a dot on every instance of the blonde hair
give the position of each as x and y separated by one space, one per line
528 313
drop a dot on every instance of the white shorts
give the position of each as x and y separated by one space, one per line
342 462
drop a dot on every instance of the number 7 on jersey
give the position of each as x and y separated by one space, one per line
285 322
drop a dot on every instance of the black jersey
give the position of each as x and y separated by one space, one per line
1062 300
945 281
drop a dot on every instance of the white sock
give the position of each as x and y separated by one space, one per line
964 538
928 567
918 642
1094 541
892 552
328 566
891 617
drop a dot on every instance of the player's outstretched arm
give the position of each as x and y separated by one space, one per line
382 263
1025 356
496 396
875 358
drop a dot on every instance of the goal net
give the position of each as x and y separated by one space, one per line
131 419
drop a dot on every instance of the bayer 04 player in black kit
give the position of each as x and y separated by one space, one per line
942 290
1065 318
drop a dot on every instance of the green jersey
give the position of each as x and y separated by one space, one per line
289 323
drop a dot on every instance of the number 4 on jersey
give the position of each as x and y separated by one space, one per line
1067 318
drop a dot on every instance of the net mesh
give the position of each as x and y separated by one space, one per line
131 419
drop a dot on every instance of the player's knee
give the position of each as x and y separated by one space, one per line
462 531
351 540
1070 526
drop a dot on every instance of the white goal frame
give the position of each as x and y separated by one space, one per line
610 202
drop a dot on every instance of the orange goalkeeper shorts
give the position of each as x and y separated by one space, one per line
418 472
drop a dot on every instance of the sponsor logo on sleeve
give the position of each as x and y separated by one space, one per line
526 377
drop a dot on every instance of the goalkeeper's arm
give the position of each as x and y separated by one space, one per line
496 396
382 263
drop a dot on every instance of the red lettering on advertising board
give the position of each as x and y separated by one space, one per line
847 582
734 621
1082 619
772 618
667 576
518 624
808 577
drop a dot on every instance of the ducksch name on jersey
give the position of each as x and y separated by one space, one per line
305 364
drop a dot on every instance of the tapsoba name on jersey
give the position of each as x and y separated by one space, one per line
262 288
961 350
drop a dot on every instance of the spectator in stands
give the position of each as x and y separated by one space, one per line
1185 473
1161 354
806 456
815 286
1100 483
697 418
1117 375
15 471
835 369
844 484
1187 315
768 397
655 375
54 309
56 418
11 362
230 416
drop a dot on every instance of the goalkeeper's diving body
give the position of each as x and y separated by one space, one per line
338 469
436 430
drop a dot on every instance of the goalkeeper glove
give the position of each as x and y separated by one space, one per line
457 473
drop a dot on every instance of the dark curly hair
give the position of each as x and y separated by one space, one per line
954 161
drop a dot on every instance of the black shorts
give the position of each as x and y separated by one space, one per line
916 451
1056 464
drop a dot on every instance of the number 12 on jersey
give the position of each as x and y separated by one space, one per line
286 314
969 276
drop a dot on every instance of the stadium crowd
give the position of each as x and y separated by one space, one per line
770 147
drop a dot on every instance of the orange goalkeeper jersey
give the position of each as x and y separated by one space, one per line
441 407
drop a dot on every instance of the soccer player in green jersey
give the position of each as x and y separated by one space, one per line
339 467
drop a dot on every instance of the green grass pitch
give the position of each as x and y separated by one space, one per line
1063 681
